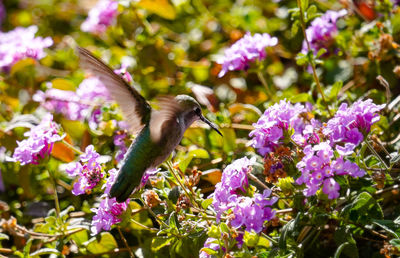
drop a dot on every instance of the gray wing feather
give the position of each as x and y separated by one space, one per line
133 105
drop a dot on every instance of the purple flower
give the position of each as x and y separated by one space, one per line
350 125
250 212
235 175
40 142
107 214
211 243
331 188
75 105
21 43
124 73
147 174
89 170
246 50
119 141
276 120
322 31
109 211
100 17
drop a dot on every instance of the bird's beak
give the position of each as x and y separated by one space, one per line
212 125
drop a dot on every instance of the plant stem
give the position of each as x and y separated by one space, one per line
125 242
181 184
56 201
303 28
375 153
72 147
264 83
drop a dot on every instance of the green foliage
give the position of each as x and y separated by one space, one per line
171 48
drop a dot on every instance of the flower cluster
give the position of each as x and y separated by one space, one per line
74 105
101 16
21 43
246 50
109 211
250 212
350 124
40 142
322 31
319 164
119 141
318 167
274 123
89 170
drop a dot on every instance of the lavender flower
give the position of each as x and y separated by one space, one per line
276 120
40 142
250 212
75 105
210 243
89 170
119 141
318 167
244 51
21 43
124 73
322 31
109 211
253 212
350 125
100 17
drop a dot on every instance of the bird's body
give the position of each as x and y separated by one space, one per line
146 152
160 131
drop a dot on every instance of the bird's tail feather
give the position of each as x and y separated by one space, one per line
122 188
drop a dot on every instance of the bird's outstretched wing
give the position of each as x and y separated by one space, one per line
169 108
134 107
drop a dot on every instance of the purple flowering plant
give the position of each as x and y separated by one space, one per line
309 158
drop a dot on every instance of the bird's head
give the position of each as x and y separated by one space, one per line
192 111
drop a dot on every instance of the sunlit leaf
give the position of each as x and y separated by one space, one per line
163 8
22 64
62 84
105 243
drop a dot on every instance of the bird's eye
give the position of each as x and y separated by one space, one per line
197 111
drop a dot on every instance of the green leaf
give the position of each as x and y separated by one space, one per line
80 237
285 232
304 5
4 236
302 97
340 249
64 213
363 209
27 248
105 243
44 251
159 242
209 251
335 89
224 228
301 59
262 241
295 28
163 8
251 238
385 224
206 203
395 243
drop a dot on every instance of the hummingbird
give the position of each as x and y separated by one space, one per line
158 131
